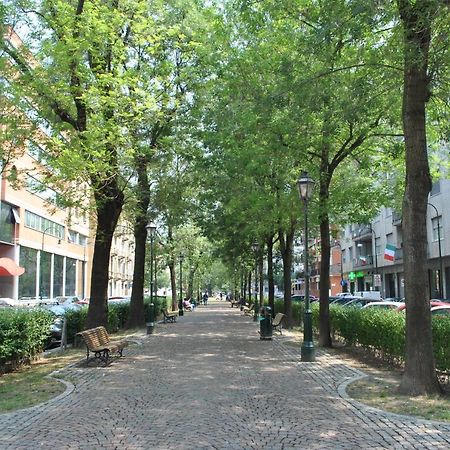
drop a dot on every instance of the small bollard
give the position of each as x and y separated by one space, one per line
151 323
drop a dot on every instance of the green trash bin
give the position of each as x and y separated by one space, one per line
265 323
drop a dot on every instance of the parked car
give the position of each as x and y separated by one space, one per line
358 302
433 303
65 300
383 305
119 299
301 298
342 300
6 302
440 310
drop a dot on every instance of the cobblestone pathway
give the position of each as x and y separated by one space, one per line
208 382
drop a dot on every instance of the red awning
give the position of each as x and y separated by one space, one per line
9 268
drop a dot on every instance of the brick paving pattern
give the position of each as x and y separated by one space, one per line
208 382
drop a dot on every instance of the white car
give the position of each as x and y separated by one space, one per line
440 310
383 305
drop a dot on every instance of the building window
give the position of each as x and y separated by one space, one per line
27 281
39 189
435 188
435 221
70 276
43 225
8 218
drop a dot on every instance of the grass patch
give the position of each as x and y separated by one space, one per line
28 386
381 392
379 389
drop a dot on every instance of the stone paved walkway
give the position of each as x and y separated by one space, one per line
208 382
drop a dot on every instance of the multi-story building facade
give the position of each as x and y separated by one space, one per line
372 254
50 242
53 243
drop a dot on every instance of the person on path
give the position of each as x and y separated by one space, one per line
205 298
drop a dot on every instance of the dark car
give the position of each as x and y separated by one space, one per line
55 333
342 300
358 302
301 298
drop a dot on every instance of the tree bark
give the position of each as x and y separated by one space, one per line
419 376
270 279
286 247
136 317
324 306
109 206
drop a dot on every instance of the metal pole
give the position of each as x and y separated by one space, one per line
307 350
255 311
151 267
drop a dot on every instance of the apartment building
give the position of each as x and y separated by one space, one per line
372 254
50 242
46 248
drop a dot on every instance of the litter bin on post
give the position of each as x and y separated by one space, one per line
265 323
151 322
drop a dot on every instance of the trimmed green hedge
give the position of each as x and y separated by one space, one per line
22 334
117 316
384 332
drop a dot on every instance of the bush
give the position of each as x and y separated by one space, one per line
22 334
384 331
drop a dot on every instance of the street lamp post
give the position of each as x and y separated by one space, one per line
375 275
441 273
180 304
305 186
151 228
255 247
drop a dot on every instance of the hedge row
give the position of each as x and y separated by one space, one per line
117 317
23 332
22 335
383 331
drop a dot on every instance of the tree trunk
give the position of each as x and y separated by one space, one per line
249 286
270 280
286 246
190 288
136 317
173 285
324 306
419 376
261 277
109 207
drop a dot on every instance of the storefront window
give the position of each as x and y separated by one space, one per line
58 271
27 281
46 264
70 276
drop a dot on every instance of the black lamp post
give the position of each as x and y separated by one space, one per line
151 228
255 247
305 187
441 273
180 303
375 275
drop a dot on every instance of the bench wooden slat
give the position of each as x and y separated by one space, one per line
97 341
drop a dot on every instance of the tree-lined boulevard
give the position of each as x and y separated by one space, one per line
201 117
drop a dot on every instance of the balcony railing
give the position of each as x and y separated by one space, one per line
363 261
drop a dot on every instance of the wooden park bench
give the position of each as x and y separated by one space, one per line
277 322
97 341
248 311
235 303
169 316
